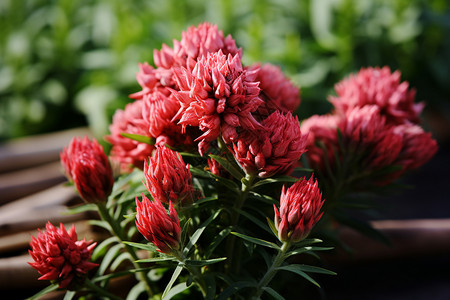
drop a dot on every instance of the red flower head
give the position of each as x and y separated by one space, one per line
195 43
59 257
127 151
418 146
168 178
299 210
322 139
158 227
273 151
365 131
87 166
380 87
217 95
277 91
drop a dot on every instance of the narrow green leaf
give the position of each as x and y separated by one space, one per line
174 277
308 249
179 288
276 179
155 259
272 227
204 200
307 242
234 288
139 138
101 224
201 263
109 257
100 250
45 291
189 154
69 295
119 274
194 238
255 220
263 198
120 259
148 247
313 269
81 208
226 182
256 241
233 169
210 282
273 293
136 291
300 169
294 269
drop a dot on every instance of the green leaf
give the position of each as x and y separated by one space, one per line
109 257
313 269
308 249
156 259
295 269
148 247
254 220
273 293
45 291
234 170
197 172
307 242
204 200
136 291
101 249
210 286
194 237
101 224
179 288
201 263
263 198
174 277
272 227
234 288
256 241
189 154
139 138
69 295
119 274
81 208
275 179
120 259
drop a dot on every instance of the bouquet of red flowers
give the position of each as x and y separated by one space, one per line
219 186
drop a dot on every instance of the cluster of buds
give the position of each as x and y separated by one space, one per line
375 123
59 257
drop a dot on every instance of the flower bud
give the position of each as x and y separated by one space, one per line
158 227
168 178
87 166
58 256
299 210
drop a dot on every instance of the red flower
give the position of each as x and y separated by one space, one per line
274 150
418 146
87 166
59 257
126 151
299 210
277 91
195 43
217 95
322 139
380 87
168 178
157 226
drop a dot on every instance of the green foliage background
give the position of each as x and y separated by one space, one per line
67 63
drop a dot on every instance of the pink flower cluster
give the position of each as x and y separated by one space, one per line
198 92
58 256
377 120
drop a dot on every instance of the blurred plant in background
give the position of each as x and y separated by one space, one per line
65 64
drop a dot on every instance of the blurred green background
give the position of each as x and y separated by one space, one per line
70 63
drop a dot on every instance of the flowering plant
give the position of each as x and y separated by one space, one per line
205 150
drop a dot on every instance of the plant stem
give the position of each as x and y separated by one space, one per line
278 260
231 250
99 291
194 271
118 232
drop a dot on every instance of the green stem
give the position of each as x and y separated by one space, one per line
99 291
231 250
198 278
278 260
117 230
